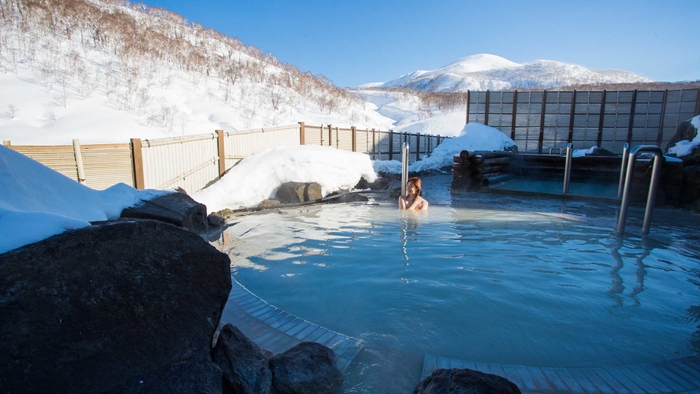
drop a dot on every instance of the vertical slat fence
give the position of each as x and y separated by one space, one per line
540 120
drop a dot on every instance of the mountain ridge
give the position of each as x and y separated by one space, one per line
492 72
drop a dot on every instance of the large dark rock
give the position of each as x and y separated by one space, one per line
295 192
101 308
176 208
691 184
246 369
308 367
465 381
380 183
684 131
197 374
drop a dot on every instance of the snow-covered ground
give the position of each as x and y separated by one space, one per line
36 202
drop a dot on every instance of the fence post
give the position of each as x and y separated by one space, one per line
697 103
374 145
486 108
417 146
540 140
6 143
79 161
599 140
137 163
337 137
222 153
630 126
330 134
302 131
515 113
354 138
661 121
391 144
321 134
570 138
468 106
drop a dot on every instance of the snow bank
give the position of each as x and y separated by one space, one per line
257 177
37 202
474 136
685 147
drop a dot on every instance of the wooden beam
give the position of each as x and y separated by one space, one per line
630 126
540 140
417 146
137 163
697 103
330 135
79 161
6 143
486 108
222 152
515 113
570 138
354 138
391 144
661 121
321 134
302 134
599 138
468 106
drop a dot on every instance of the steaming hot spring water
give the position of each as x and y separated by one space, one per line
486 278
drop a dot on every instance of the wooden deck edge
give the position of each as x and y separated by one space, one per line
276 330
680 375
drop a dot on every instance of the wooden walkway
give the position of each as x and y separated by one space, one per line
681 375
276 330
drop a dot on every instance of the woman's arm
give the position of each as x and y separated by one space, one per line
424 205
417 203
402 202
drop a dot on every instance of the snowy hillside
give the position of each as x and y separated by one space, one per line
412 114
491 72
106 71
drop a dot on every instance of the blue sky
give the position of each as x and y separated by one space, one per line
353 42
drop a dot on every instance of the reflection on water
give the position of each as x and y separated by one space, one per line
513 281
409 223
617 282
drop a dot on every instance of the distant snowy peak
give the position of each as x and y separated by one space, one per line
491 72
476 63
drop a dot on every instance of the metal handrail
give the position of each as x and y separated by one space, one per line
405 149
651 198
567 168
623 168
553 148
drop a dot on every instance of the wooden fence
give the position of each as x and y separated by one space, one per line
97 166
539 120
194 162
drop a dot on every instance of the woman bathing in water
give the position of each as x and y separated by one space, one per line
412 200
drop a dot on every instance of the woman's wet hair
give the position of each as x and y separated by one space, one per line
417 182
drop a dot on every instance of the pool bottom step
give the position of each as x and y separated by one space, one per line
276 330
681 375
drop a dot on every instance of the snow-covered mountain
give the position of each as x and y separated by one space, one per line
491 72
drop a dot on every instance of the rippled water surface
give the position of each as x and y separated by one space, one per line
485 278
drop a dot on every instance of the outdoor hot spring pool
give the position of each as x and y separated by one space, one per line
487 278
